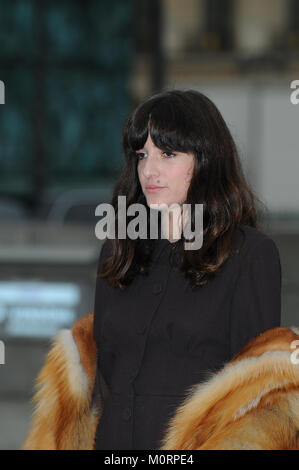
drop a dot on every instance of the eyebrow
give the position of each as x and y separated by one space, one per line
170 150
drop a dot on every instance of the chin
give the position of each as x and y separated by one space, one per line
153 200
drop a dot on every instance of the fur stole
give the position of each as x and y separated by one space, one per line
251 403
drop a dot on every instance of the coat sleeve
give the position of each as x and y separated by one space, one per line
100 390
105 252
256 304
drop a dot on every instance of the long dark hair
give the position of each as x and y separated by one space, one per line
184 121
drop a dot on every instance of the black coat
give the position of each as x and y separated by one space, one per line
157 338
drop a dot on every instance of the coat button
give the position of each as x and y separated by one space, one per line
157 288
127 413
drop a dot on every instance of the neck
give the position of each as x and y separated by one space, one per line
171 224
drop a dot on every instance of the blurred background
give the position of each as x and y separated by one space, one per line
72 72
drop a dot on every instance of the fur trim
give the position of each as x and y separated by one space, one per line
63 417
251 403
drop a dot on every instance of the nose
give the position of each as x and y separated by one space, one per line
150 167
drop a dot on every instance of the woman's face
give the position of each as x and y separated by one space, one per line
171 172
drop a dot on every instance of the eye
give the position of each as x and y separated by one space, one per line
139 155
170 153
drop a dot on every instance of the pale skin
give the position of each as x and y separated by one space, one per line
170 170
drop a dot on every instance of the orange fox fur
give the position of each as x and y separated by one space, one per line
251 403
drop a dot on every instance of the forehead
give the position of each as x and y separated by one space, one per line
149 142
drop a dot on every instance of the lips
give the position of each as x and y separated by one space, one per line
151 186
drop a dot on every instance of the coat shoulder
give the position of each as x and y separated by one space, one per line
246 239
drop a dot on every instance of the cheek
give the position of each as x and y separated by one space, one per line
190 172
176 176
186 174
139 173
180 174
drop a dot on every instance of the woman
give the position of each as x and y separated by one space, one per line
166 317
